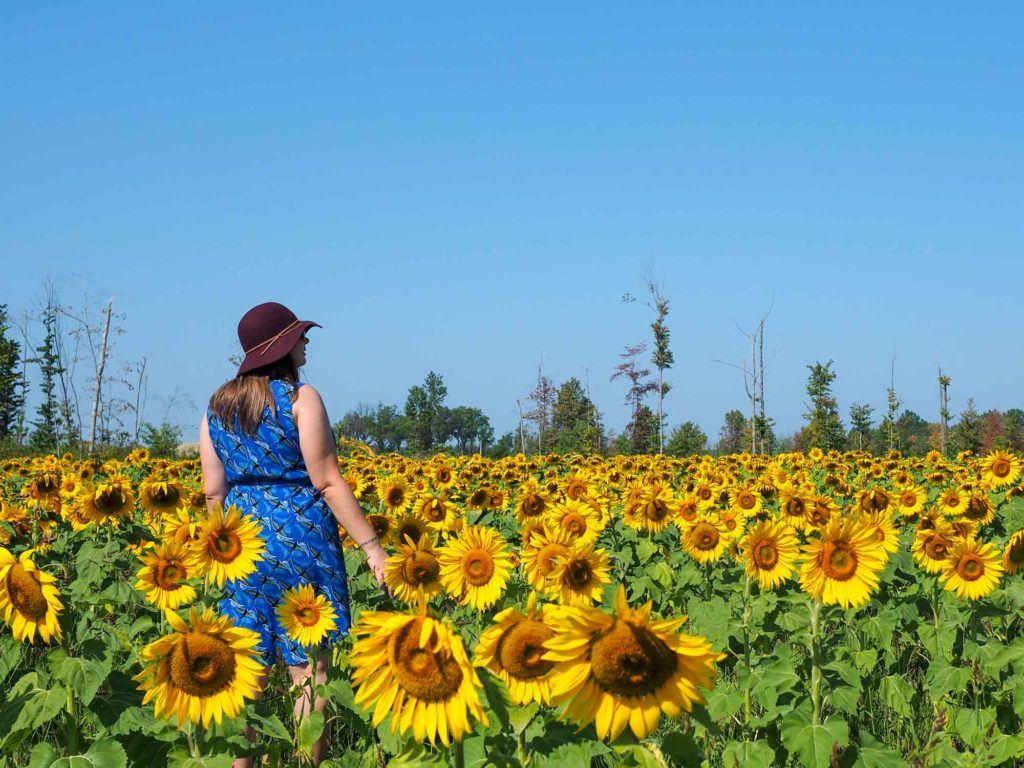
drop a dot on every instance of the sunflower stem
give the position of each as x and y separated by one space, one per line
71 724
746 647
936 601
815 613
459 754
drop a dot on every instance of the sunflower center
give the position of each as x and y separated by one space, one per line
434 511
201 664
1000 467
936 547
532 505
746 500
546 557
574 524
705 536
578 574
970 568
109 500
422 673
688 511
395 497
380 524
169 574
631 661
477 567
225 546
1017 552
478 498
307 615
977 507
765 555
908 499
795 507
838 561
410 529
521 650
165 497
26 593
656 510
420 568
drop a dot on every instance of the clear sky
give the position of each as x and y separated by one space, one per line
471 190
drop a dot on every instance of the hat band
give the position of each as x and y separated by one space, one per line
270 342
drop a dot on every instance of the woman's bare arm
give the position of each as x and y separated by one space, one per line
316 441
215 484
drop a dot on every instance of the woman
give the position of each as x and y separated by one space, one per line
266 446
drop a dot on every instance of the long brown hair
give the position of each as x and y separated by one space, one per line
247 395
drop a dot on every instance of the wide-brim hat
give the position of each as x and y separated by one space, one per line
267 333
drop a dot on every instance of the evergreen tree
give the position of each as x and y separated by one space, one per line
765 428
967 434
643 431
1013 429
12 396
575 422
860 427
734 435
824 428
913 434
46 435
688 439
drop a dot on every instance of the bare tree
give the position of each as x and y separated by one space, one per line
543 397
944 382
753 381
640 386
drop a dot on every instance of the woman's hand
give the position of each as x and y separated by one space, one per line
377 559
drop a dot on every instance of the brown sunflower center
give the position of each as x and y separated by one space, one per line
746 500
477 567
521 648
411 529
838 560
574 523
546 557
433 510
395 497
936 547
26 593
656 510
970 567
444 475
420 568
794 507
765 554
381 525
109 500
170 574
532 505
1000 467
705 536
688 511
630 660
201 664
225 546
1016 554
422 673
307 615
977 508
165 496
908 499
575 489
578 574
479 497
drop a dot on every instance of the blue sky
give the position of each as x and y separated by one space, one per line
472 190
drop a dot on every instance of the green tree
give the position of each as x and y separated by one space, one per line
765 428
469 427
427 415
387 429
860 427
575 421
643 431
734 434
913 434
1013 429
688 439
503 446
662 356
46 437
824 427
161 441
966 435
12 395
355 424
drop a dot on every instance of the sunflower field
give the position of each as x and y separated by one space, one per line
792 610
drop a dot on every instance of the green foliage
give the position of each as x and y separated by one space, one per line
161 441
425 411
734 436
12 394
824 427
575 421
861 422
688 439
46 437
966 434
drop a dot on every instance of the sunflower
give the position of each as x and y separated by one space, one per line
541 552
201 672
577 518
732 523
180 526
412 526
74 514
931 547
793 503
625 669
443 475
394 494
769 552
228 546
980 510
972 570
652 511
704 539
746 501
159 497
953 502
1013 553
687 508
413 574
108 500
819 511
885 532
415 668
843 565
910 500
306 616
532 502
1000 468
579 576
872 500
475 566
513 649
29 601
162 577
435 508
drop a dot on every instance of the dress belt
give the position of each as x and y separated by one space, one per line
271 481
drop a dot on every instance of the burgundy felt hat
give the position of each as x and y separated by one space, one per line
267 333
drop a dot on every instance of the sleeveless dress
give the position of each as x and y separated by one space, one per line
267 480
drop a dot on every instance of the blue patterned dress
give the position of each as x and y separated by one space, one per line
267 479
